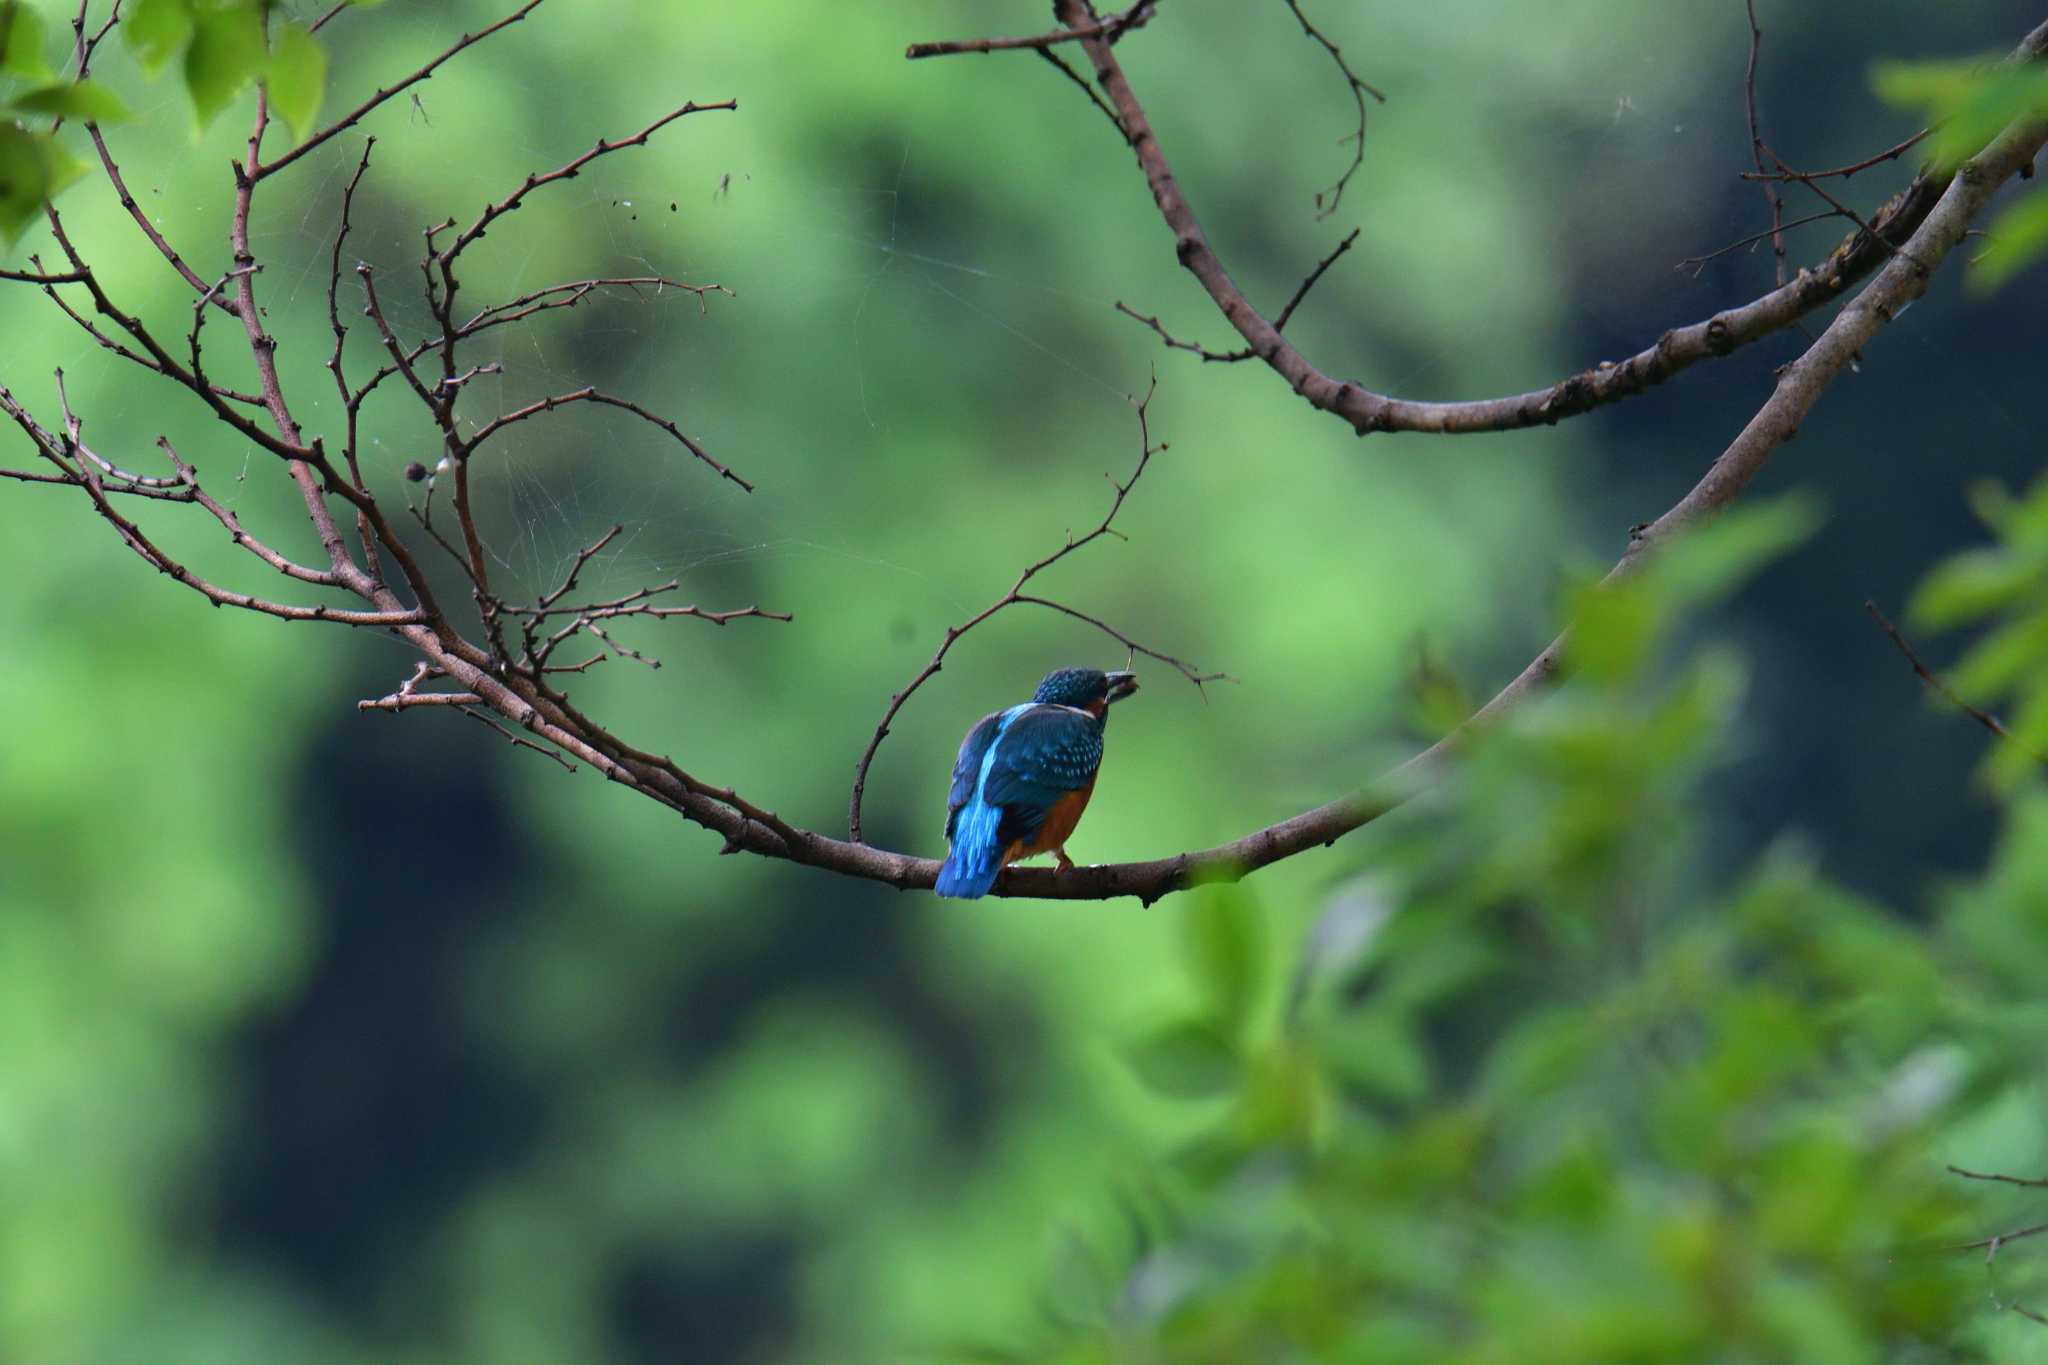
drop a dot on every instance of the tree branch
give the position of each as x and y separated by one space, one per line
1109 28
1978 714
1327 200
1756 146
1367 411
263 171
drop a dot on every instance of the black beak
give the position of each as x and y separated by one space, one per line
1121 685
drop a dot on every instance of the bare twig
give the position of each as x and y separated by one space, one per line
567 171
149 229
1994 1244
1109 28
37 277
1978 714
1301 291
524 701
1367 411
518 741
1279 323
87 476
321 22
406 701
1869 231
589 394
1180 666
1327 200
82 47
1777 231
264 170
1756 145
1891 153
2024 1182
289 568
572 292
1015 595
1060 64
1195 348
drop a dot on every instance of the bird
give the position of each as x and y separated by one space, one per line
1024 776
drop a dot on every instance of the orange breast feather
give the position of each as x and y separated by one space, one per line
1058 827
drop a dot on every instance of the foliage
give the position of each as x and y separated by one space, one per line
2002 588
1967 103
1526 1098
345 1039
227 45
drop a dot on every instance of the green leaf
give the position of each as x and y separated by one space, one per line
227 53
22 41
2018 239
86 100
1615 628
1970 585
1225 952
1616 625
1189 1060
23 181
297 78
1971 99
1714 560
33 169
1377 1052
2004 659
156 31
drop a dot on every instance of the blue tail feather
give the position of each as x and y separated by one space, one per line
974 861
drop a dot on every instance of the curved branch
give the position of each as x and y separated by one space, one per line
1367 411
1180 666
591 394
265 170
524 699
1111 28
1799 387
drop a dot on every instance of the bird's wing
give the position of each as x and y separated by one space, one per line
1040 756
967 769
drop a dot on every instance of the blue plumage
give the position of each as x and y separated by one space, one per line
1016 767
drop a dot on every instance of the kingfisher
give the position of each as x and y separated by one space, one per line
1025 775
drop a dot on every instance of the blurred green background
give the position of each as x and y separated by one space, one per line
334 1037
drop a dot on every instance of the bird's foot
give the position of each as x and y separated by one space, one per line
1065 864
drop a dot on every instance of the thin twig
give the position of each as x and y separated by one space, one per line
264 170
1367 411
1015 595
39 277
590 394
1993 1244
1978 714
2025 1182
1219 357
1109 28
1775 232
1301 291
1327 200
321 22
1085 88
1890 153
1279 323
1832 202
1756 145
567 171
519 741
1181 666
